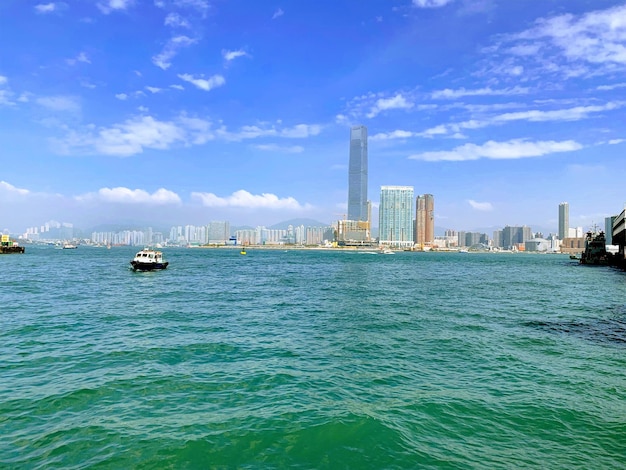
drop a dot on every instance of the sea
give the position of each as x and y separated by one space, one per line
310 359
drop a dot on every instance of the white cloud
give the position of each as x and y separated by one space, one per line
154 90
480 206
121 96
199 5
575 113
9 188
5 95
202 83
567 46
177 87
572 114
111 5
299 131
82 57
461 92
524 49
132 196
128 138
512 149
145 132
596 37
383 104
59 103
611 87
616 141
278 13
279 148
232 55
431 3
176 21
164 58
247 200
397 134
433 131
45 7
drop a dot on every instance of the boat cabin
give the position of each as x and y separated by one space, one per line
149 256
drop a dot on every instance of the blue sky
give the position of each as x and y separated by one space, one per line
186 111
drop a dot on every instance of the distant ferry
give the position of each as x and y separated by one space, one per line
69 246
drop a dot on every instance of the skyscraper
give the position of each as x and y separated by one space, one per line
563 220
425 220
357 175
396 216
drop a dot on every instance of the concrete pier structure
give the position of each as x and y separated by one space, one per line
619 238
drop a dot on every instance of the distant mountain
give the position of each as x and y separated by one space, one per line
296 222
119 227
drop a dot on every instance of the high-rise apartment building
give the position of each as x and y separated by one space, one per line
563 220
512 237
396 216
425 220
218 232
357 175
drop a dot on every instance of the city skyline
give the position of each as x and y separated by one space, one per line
499 109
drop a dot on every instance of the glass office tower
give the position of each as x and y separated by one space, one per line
357 175
396 216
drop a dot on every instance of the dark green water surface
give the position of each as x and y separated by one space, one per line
310 359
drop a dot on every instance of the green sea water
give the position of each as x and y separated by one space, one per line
310 359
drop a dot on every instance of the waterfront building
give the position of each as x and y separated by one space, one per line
563 220
575 232
357 175
497 239
460 236
318 235
515 237
608 229
218 232
396 216
353 232
572 246
425 220
538 244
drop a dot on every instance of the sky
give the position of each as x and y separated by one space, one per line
175 112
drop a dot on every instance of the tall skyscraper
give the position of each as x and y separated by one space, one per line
396 216
425 220
563 220
357 175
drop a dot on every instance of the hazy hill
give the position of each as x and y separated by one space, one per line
296 222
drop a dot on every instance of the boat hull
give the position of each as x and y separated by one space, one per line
5 250
138 266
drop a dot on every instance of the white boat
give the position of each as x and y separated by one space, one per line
69 246
148 260
387 251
